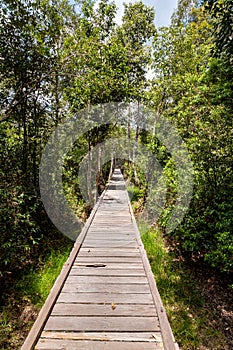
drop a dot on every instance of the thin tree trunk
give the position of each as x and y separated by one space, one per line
135 144
89 170
129 132
57 101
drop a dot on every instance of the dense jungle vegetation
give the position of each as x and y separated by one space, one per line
59 57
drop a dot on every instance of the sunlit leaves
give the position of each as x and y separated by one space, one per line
194 90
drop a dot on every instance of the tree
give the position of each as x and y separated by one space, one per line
30 35
192 90
221 12
135 32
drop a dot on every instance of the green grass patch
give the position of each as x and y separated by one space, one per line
27 296
36 284
193 325
136 196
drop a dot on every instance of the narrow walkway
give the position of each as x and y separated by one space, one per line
106 297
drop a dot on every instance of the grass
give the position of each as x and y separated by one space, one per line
36 284
27 296
193 324
136 197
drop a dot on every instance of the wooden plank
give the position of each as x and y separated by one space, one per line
111 234
120 249
106 288
110 238
61 309
108 219
108 253
107 279
95 345
87 271
154 337
109 265
109 244
108 259
105 298
101 254
101 323
113 230
117 224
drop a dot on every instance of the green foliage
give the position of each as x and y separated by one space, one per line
29 108
56 58
136 30
194 90
192 325
221 12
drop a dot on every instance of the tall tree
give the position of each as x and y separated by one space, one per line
221 12
30 34
191 89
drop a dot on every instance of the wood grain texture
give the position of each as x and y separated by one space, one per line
106 271
105 298
101 323
107 279
61 309
95 345
105 336
106 288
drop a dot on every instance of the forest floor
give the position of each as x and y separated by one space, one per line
216 295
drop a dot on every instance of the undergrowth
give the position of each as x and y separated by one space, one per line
27 295
193 324
36 284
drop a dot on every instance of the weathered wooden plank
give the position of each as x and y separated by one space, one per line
108 233
117 250
106 288
111 230
154 337
109 243
87 271
94 252
61 309
108 218
107 279
108 237
113 225
101 323
116 223
108 259
109 265
105 298
95 345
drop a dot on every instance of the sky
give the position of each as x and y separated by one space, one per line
163 10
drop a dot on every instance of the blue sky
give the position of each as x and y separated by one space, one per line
163 10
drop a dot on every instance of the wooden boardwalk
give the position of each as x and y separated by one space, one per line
105 297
